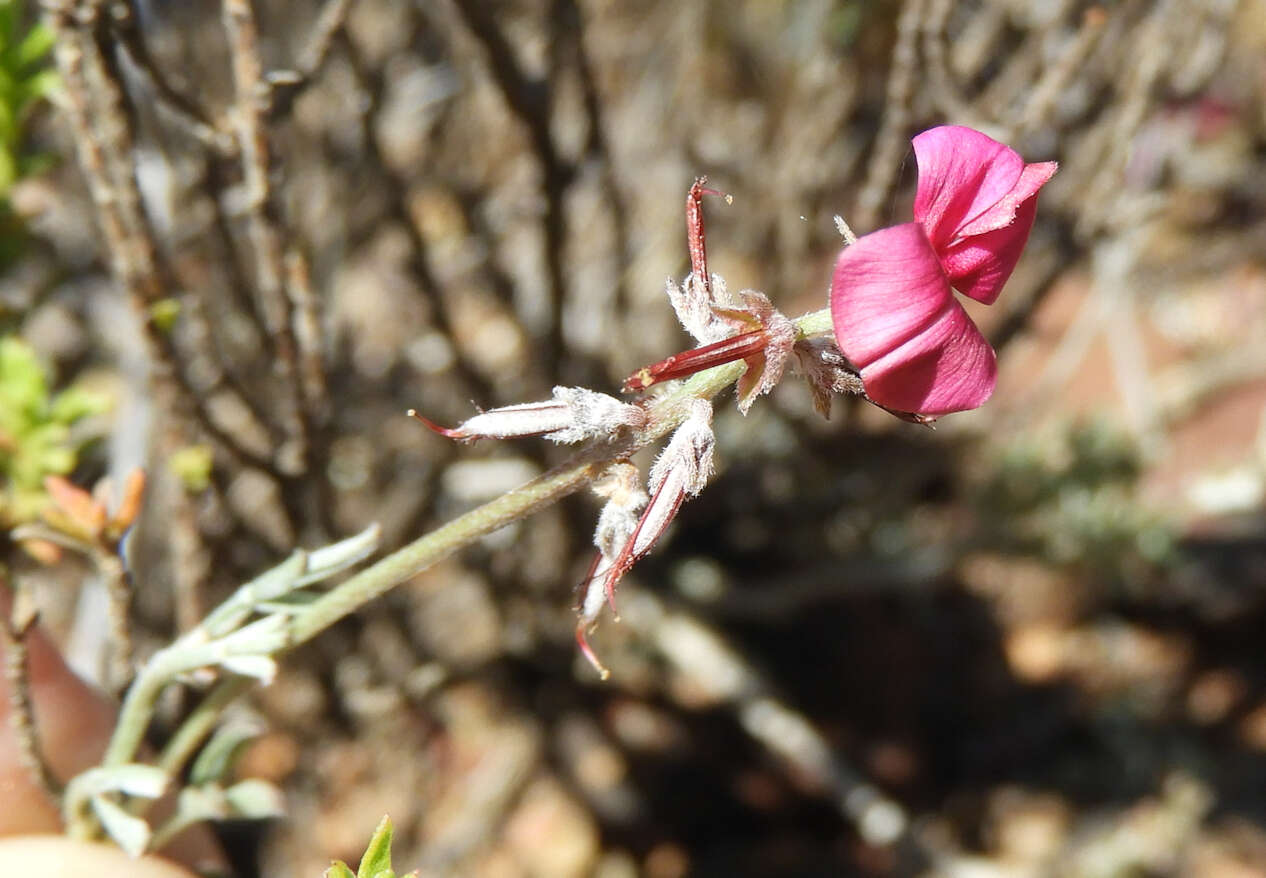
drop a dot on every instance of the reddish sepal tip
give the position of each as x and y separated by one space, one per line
700 188
446 432
586 650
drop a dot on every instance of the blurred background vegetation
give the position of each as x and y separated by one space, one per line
1028 643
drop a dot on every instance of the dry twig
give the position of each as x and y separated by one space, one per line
890 143
182 108
101 128
263 227
532 101
21 706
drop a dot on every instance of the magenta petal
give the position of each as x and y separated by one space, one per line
897 321
963 178
887 287
979 266
1004 212
948 367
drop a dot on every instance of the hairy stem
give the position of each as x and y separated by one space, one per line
665 413
814 323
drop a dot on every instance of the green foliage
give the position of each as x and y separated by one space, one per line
35 434
192 465
164 313
1071 500
25 80
217 758
376 863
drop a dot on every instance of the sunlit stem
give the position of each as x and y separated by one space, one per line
665 414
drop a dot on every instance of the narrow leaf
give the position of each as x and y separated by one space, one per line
130 833
339 556
135 779
35 45
260 667
377 859
218 756
256 799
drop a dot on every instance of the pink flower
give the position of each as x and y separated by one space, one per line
894 314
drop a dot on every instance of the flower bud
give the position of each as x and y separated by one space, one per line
680 471
616 524
575 414
686 463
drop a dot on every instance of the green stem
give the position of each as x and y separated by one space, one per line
814 323
200 723
134 715
665 412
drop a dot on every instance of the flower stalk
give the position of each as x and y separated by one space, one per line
665 414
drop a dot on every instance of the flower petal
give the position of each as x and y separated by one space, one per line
887 287
897 321
1005 211
948 367
979 266
965 180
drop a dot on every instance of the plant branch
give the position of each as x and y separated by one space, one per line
127 28
885 157
21 706
198 726
665 413
119 592
99 125
531 99
263 228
